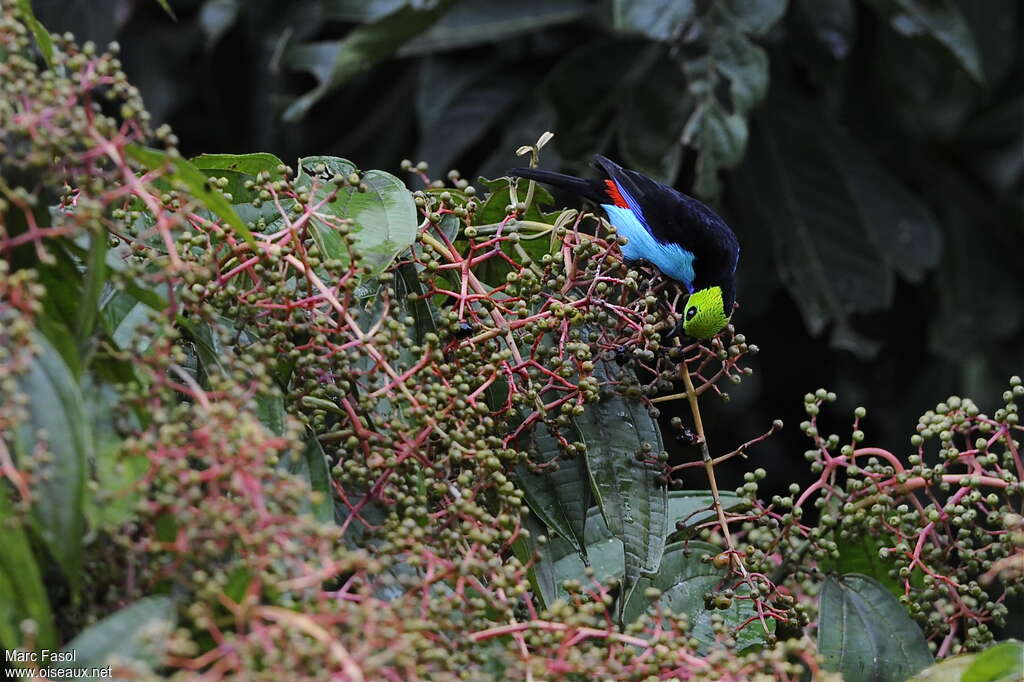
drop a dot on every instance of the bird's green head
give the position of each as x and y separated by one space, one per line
705 313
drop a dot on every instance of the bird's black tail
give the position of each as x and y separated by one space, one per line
589 189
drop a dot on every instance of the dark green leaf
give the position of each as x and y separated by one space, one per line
365 11
489 21
604 555
651 122
940 19
22 593
559 495
115 498
693 507
56 409
494 208
270 411
95 278
216 17
542 573
238 168
633 503
136 633
654 19
865 634
334 63
834 23
196 182
756 17
860 555
319 481
43 40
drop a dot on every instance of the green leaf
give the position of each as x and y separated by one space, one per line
834 23
115 498
43 40
137 632
684 581
271 413
860 555
541 573
558 495
940 19
22 593
654 19
238 168
693 507
865 634
493 209
216 17
384 216
56 408
1000 663
485 22
319 481
195 181
92 288
335 63
632 502
604 555
651 121
756 17
721 138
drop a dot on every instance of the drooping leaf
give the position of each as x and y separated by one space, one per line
137 633
560 494
334 63
866 634
383 217
942 21
43 40
196 182
57 425
632 501
22 593
216 17
490 21
654 19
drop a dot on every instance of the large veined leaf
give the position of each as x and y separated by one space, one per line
336 62
1003 662
560 494
865 633
22 593
56 425
489 21
841 225
137 633
941 20
383 217
684 580
654 19
632 501
860 555
238 168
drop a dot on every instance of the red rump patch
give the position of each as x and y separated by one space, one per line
615 194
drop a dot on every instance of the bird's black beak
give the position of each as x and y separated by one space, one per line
676 333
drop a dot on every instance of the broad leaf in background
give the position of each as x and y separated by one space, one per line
684 580
22 593
1003 662
334 63
311 466
485 22
860 555
43 40
559 494
841 224
57 425
865 633
834 23
238 168
654 19
632 501
383 217
136 633
940 20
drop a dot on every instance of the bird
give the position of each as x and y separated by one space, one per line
679 235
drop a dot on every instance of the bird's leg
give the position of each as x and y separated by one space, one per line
709 467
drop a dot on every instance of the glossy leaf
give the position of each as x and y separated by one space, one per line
335 63
22 593
560 494
632 502
56 409
195 181
865 633
654 19
137 633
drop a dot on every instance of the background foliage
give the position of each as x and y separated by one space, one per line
867 155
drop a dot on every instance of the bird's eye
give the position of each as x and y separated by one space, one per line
691 312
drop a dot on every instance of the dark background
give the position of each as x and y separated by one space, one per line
895 147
